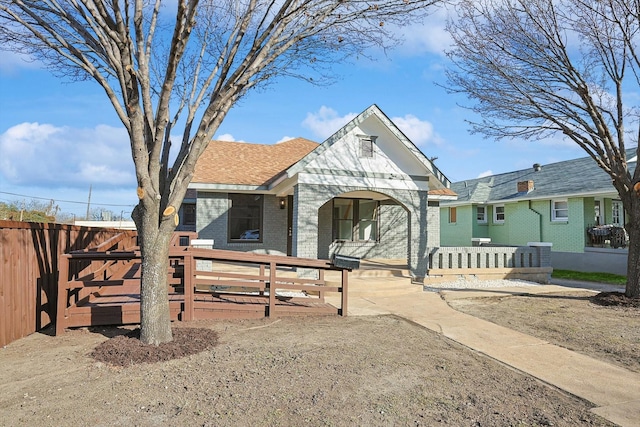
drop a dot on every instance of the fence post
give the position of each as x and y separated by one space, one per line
272 289
322 284
543 250
345 281
189 283
62 297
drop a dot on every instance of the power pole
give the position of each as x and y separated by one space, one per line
88 204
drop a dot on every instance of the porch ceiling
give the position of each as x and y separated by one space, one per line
374 195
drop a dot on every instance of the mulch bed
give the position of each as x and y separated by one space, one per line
615 299
126 350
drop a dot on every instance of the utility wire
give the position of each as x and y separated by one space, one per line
62 201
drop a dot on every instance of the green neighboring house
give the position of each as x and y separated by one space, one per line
570 204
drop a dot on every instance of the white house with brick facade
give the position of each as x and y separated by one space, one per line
367 191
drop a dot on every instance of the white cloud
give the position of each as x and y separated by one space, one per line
49 156
427 37
11 63
284 139
326 121
420 132
485 173
226 137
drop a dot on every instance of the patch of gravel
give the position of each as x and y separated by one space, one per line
470 282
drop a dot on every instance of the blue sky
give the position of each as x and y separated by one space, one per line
58 139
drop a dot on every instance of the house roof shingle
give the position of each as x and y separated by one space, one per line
242 163
571 177
442 192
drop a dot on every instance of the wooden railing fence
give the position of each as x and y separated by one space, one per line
203 284
29 254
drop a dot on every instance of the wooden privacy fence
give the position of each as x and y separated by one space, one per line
29 254
104 288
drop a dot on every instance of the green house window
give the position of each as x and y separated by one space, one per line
498 214
559 210
481 214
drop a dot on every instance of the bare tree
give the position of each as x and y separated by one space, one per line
187 62
540 68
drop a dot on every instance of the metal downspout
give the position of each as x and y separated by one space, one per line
539 221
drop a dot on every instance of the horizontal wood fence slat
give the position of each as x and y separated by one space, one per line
29 270
203 284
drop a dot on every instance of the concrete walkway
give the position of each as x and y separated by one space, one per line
613 390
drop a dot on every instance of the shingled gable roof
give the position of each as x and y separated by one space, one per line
443 182
241 163
570 178
257 165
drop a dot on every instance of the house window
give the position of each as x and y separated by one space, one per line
481 214
559 210
245 217
189 214
355 220
366 145
617 213
498 214
453 215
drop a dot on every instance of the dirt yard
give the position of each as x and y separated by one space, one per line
355 371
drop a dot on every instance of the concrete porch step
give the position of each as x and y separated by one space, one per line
382 286
382 268
382 273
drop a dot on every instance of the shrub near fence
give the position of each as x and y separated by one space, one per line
29 255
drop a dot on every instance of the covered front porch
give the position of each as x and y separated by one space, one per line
388 224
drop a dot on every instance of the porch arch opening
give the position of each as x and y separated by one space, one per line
365 224
401 216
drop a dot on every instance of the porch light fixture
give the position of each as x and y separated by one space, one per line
283 203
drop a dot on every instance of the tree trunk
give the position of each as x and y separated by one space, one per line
155 320
633 261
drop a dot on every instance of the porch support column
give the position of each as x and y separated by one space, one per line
305 220
419 228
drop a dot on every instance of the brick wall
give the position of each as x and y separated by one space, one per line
433 223
212 223
525 221
404 225
311 214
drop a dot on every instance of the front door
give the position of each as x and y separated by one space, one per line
617 213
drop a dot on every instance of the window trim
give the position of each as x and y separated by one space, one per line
495 214
187 216
617 209
484 214
554 210
355 223
261 222
368 141
453 215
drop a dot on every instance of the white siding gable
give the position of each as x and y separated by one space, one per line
391 166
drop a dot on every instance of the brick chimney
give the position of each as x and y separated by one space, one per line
525 186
